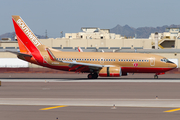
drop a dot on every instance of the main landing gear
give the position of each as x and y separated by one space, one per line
92 76
155 76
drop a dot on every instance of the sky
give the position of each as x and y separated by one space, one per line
70 15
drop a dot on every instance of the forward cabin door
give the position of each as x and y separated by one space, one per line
152 61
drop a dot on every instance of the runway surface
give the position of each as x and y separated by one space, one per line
79 98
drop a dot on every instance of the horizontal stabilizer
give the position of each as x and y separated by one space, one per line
18 53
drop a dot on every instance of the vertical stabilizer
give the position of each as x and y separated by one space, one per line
27 41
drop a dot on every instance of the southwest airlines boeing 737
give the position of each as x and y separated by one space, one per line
95 63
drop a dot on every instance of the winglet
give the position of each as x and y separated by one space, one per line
79 49
52 57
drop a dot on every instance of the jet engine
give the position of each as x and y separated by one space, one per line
110 72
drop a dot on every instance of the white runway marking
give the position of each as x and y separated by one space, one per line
87 80
92 102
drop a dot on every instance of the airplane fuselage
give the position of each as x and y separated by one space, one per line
129 62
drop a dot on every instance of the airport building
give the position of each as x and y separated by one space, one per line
166 44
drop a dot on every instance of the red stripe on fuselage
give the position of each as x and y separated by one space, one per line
144 70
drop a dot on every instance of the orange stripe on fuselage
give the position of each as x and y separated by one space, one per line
22 48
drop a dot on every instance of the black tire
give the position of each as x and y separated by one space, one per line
95 76
90 76
155 76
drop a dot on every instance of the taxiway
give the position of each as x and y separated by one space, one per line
80 98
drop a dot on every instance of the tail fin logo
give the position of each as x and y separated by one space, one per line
28 32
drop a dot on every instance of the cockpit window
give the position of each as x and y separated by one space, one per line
169 61
166 60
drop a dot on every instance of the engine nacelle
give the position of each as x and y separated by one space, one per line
110 72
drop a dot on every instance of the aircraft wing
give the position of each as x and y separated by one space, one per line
85 64
52 57
19 53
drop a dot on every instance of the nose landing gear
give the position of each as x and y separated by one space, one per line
155 76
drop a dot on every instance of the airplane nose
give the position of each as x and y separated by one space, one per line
173 65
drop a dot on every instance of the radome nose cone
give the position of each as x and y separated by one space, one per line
174 65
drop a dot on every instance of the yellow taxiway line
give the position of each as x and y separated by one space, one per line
173 110
53 107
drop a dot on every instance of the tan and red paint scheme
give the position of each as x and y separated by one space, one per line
95 63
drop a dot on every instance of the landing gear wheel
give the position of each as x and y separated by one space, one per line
90 76
155 76
95 76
